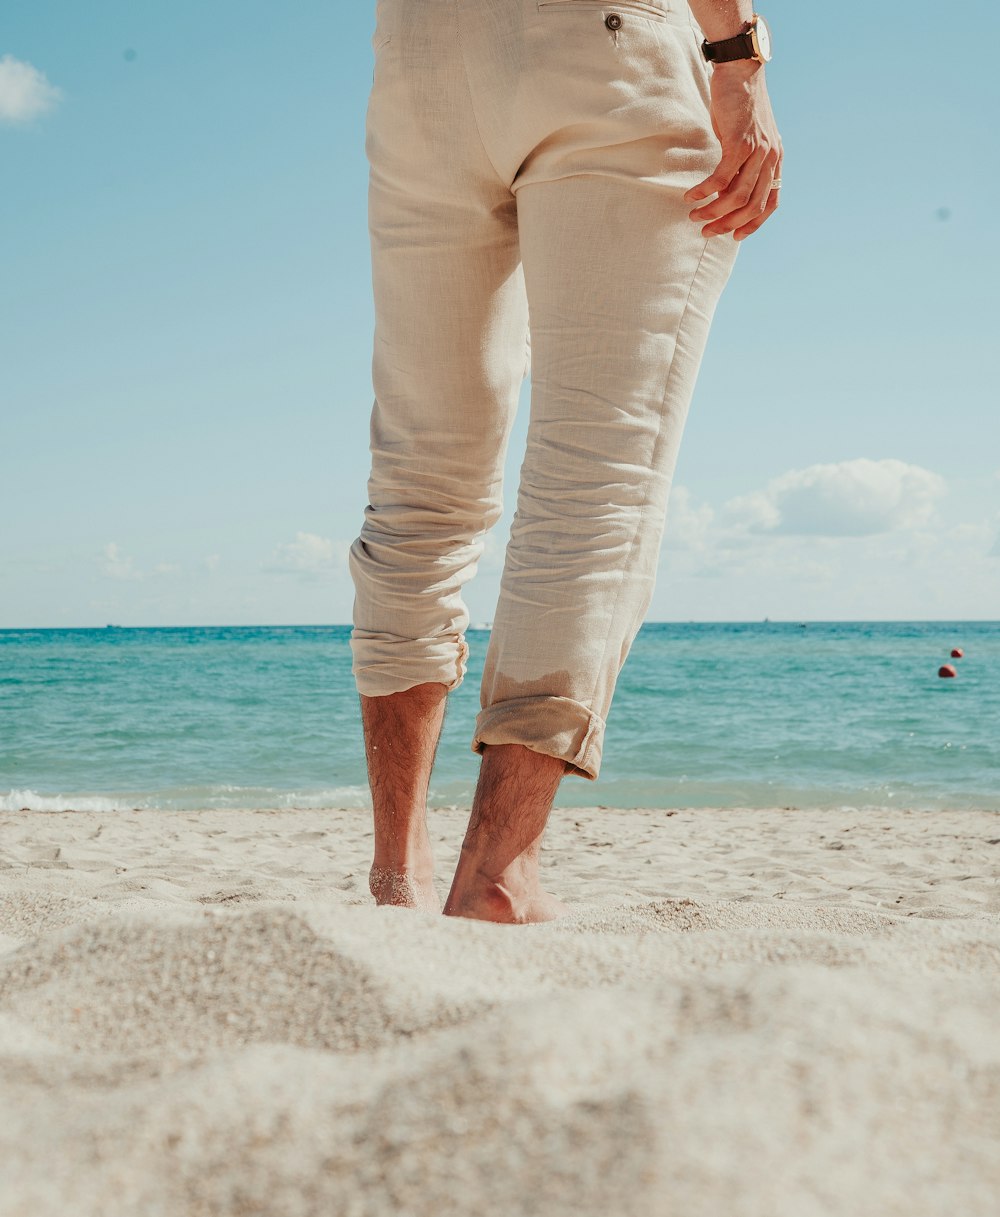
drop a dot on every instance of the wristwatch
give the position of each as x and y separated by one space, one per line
753 43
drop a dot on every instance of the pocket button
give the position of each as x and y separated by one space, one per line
613 21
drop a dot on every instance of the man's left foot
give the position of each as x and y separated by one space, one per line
403 889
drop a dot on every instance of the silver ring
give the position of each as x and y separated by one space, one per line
776 184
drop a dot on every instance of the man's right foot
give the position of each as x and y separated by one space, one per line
485 900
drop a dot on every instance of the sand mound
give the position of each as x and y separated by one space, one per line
306 1056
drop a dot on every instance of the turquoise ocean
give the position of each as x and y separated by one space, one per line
751 714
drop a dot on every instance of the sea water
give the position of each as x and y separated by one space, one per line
746 714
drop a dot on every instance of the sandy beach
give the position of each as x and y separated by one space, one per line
748 1014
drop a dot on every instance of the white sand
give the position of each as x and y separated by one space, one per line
749 1013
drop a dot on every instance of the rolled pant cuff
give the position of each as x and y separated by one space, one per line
555 726
384 663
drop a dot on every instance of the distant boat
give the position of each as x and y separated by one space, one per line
482 625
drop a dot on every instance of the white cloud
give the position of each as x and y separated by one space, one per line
494 552
117 565
687 525
912 559
24 91
309 555
857 498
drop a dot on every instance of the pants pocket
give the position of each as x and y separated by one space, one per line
663 10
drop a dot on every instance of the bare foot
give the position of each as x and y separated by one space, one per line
488 900
497 877
403 888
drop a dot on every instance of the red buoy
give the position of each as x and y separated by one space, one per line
946 670
956 652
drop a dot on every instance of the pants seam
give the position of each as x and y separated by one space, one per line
656 441
472 105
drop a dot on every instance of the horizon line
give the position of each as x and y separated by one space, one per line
293 625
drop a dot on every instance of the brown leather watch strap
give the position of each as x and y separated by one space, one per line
727 49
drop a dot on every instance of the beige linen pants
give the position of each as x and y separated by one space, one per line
527 160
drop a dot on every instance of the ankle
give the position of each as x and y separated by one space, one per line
487 861
406 854
491 899
479 876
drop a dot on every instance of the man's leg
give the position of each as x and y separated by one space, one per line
497 877
602 133
447 367
401 737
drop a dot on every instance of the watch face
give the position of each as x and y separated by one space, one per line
763 38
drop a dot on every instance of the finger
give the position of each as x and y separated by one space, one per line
736 195
770 207
732 161
753 206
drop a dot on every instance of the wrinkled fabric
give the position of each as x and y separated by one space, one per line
527 163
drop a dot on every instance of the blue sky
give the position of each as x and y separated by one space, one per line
186 322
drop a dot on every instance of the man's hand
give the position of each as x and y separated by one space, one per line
751 153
